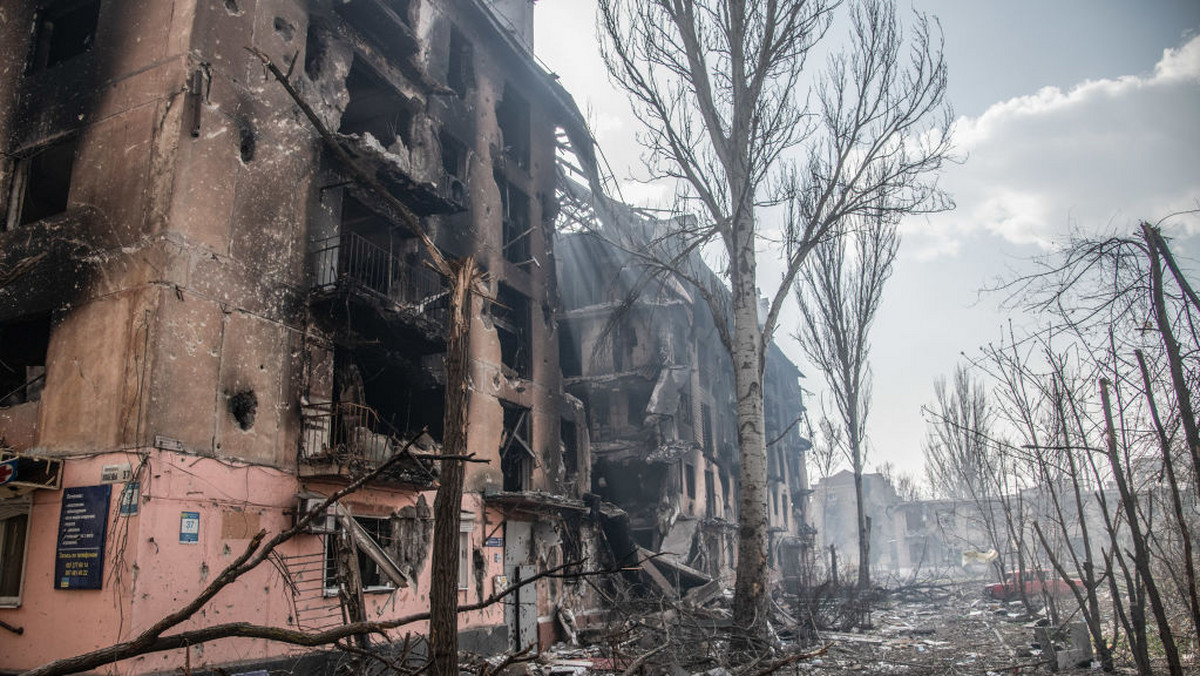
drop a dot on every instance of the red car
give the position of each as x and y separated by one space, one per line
1034 581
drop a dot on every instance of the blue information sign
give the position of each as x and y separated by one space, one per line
82 526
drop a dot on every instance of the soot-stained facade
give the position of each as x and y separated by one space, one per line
204 313
644 356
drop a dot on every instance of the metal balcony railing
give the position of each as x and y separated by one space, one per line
355 439
351 260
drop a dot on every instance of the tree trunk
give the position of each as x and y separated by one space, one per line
447 506
751 595
1187 414
864 529
1141 555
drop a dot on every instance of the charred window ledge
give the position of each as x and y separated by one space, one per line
387 23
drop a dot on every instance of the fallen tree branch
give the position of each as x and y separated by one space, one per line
790 659
145 644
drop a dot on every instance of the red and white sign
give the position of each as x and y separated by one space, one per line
8 471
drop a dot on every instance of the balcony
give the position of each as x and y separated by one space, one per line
349 440
380 285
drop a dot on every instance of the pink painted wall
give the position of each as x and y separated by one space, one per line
150 573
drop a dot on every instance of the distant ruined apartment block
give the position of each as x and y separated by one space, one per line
206 323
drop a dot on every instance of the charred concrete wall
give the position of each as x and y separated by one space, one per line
189 278
658 387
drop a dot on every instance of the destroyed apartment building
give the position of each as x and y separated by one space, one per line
643 354
209 322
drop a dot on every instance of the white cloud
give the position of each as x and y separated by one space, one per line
1104 154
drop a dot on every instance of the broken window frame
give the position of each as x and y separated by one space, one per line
569 435
517 223
513 119
27 175
42 55
460 63
689 480
368 568
512 316
30 389
517 438
14 549
372 84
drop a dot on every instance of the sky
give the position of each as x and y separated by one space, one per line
1070 114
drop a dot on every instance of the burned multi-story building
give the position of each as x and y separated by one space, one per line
644 355
209 317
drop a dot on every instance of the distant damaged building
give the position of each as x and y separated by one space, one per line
643 355
209 320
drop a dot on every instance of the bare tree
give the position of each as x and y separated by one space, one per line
719 84
956 447
839 293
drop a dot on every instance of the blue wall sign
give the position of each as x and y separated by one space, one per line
82 526
189 527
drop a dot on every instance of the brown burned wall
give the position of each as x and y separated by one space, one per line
186 215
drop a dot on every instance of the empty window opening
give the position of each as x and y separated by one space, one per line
624 340
379 529
516 452
570 448
14 530
706 427
569 358
638 400
599 408
518 226
454 164
725 496
454 156
23 345
511 315
42 183
64 31
460 63
512 114
689 479
375 107
685 408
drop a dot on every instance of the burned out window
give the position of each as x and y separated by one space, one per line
706 427
511 315
569 358
685 408
379 529
570 447
512 114
516 451
23 345
375 107
454 164
42 183
638 400
599 407
64 30
14 531
460 63
517 224
689 479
